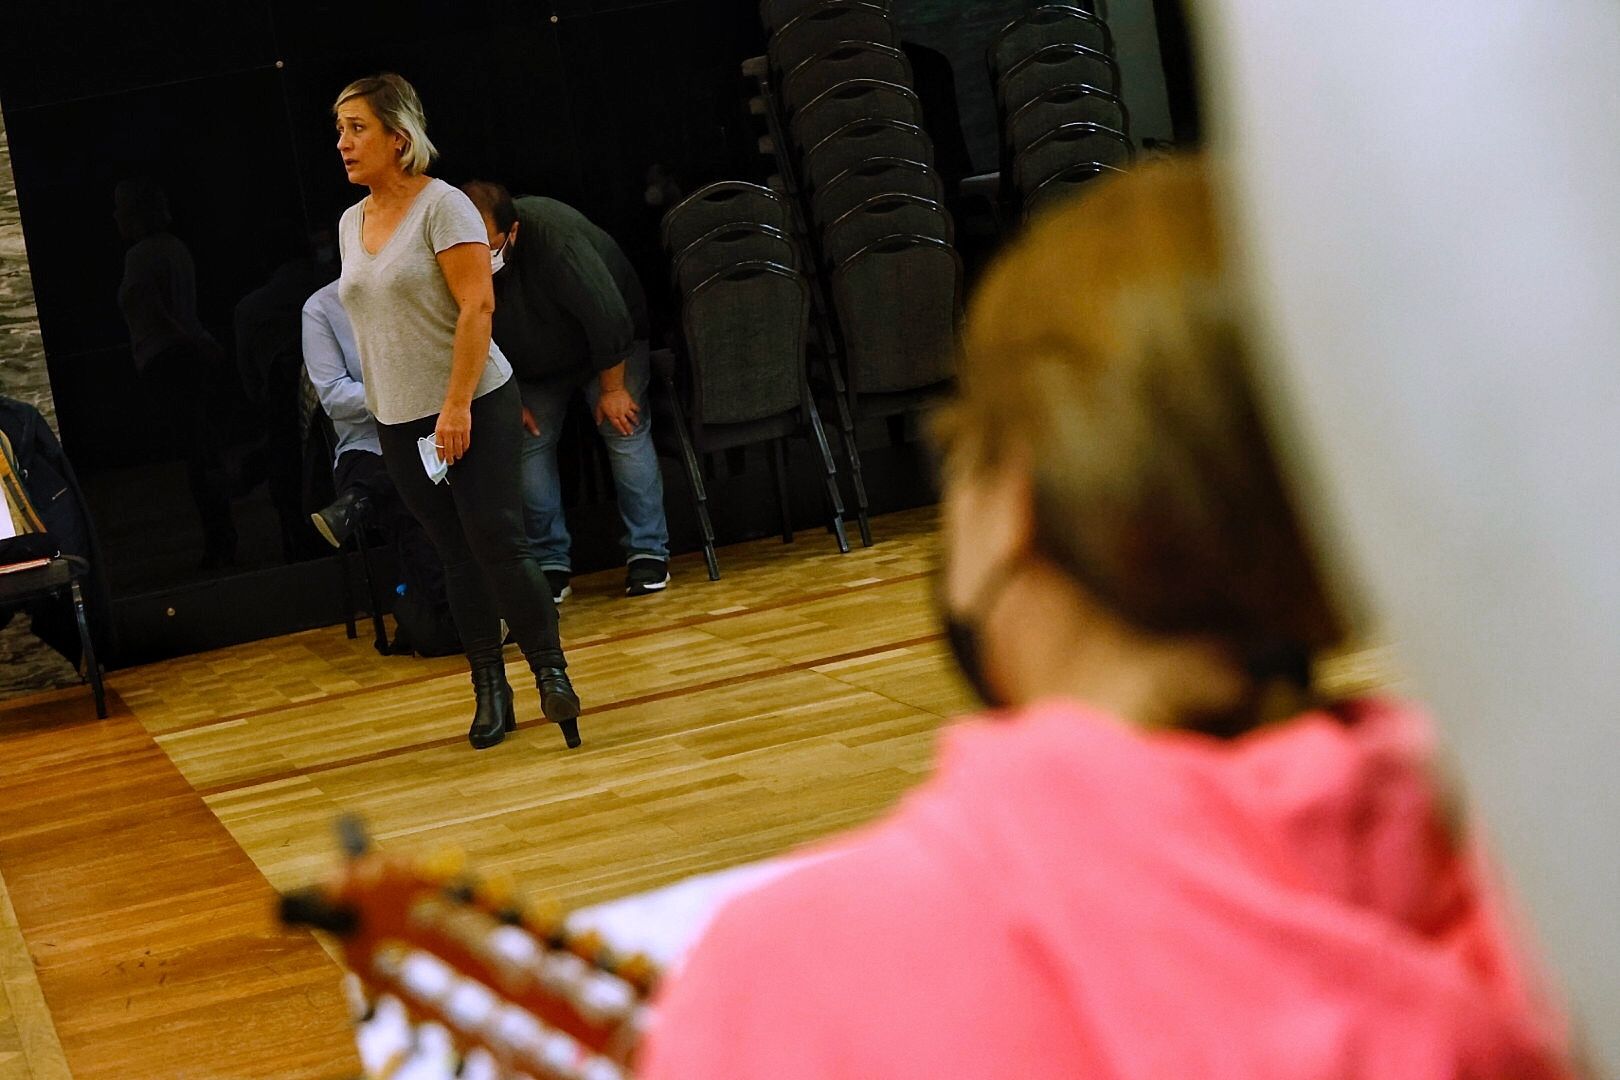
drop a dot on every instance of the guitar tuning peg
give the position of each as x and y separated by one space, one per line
544 917
497 890
587 946
637 970
444 865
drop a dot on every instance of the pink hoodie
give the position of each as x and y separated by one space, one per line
1069 897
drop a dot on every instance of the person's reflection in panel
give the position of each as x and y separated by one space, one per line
269 354
176 359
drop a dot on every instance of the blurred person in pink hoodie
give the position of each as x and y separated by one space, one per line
1162 852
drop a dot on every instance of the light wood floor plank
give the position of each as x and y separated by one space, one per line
29 1048
725 722
150 931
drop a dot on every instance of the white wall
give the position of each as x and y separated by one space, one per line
1431 194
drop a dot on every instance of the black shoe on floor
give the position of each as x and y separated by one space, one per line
337 522
559 703
559 581
645 576
494 716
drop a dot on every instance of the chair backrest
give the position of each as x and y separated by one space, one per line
879 176
724 203
898 302
839 63
309 403
1066 145
745 330
1062 186
862 140
1049 24
855 99
728 245
885 215
1055 65
824 26
1071 103
776 14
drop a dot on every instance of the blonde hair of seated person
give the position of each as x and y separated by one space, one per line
1104 369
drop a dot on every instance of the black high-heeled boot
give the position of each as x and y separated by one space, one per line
494 716
559 702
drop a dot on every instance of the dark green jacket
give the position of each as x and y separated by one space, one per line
567 304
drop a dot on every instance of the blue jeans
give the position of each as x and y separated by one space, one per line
636 478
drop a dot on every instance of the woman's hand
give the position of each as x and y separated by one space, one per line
454 432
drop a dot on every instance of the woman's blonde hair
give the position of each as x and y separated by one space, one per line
396 104
1104 352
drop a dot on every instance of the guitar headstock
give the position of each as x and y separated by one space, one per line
461 952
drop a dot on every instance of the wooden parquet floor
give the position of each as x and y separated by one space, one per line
724 722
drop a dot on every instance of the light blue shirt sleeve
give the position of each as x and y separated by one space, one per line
342 395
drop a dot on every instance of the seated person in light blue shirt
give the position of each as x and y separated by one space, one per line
365 494
333 363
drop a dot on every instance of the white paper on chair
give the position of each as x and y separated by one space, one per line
7 529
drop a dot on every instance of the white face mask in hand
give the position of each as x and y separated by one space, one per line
438 469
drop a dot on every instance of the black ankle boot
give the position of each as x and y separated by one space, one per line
337 522
494 716
559 702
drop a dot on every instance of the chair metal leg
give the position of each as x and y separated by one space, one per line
92 666
834 499
846 430
779 469
710 559
694 478
379 631
852 454
831 351
348 593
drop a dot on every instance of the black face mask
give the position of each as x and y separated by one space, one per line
963 636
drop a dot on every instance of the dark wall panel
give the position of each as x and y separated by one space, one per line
496 107
228 107
336 29
52 52
219 147
658 84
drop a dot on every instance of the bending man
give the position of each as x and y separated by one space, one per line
571 317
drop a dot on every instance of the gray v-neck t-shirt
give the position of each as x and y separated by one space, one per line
400 304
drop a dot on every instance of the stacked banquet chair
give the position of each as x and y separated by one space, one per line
1058 102
845 131
744 287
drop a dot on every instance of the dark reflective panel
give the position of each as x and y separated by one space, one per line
52 52
354 30
179 186
495 101
658 107
151 216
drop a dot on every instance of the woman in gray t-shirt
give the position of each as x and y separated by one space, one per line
417 286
